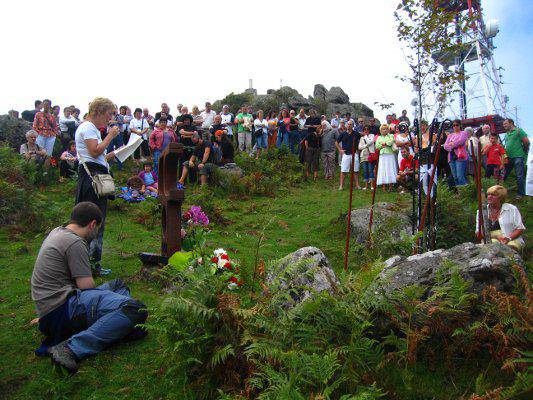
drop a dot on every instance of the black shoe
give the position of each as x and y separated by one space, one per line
61 355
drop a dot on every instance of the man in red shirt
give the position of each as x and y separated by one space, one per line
495 158
407 170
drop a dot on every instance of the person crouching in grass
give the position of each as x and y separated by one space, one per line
407 170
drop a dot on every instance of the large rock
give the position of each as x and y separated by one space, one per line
13 131
320 92
300 275
227 175
337 95
389 220
481 265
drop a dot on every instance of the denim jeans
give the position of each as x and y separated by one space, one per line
368 170
294 139
283 139
519 169
108 312
261 141
157 154
117 142
458 168
47 143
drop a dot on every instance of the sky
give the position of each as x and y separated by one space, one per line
142 53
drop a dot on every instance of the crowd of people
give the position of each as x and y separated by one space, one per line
79 319
386 154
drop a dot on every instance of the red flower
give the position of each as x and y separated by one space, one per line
234 280
227 265
224 257
187 215
214 260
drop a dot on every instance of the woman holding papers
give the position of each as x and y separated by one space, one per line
93 156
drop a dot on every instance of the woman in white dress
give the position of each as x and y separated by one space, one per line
388 164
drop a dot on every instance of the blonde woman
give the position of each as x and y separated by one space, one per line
92 150
504 219
388 164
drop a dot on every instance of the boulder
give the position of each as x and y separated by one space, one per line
481 265
13 131
389 220
300 275
227 175
320 92
337 95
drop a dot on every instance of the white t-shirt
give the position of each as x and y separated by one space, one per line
261 124
208 117
139 125
87 130
63 120
226 119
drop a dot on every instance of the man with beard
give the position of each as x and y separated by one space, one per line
77 318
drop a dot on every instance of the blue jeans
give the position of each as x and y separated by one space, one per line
368 170
157 154
261 141
294 139
108 312
283 139
47 143
458 168
519 169
117 142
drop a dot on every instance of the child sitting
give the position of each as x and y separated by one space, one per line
495 158
136 186
149 178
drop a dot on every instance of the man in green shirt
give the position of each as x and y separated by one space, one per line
244 121
516 147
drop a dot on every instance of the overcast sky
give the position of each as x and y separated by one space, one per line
142 53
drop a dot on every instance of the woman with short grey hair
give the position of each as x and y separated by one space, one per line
32 151
328 138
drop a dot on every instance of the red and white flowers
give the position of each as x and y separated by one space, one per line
222 264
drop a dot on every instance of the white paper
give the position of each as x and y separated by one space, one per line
122 153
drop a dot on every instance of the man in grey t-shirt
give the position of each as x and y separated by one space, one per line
78 318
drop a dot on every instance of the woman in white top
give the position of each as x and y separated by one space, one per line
139 126
261 133
504 219
402 140
67 126
92 152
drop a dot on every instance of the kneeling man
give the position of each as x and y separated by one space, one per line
78 318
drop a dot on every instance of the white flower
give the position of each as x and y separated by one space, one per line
219 252
232 286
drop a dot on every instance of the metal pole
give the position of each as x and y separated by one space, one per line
348 230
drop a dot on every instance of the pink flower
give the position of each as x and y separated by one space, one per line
183 233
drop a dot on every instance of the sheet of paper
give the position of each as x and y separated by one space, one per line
122 153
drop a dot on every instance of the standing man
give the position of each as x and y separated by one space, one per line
208 119
166 111
374 130
244 122
336 120
28 115
78 318
47 128
345 143
405 118
139 126
228 119
516 147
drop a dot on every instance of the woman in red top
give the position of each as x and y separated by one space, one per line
47 128
495 158
159 140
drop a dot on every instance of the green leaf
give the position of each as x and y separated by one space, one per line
180 260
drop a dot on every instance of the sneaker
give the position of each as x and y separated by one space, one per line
98 270
64 357
340 187
364 188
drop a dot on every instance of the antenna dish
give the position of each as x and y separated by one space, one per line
492 28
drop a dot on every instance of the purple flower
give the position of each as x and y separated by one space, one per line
198 216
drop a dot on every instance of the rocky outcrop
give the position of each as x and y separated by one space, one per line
389 220
300 275
13 131
325 101
481 265
227 175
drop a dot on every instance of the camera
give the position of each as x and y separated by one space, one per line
403 127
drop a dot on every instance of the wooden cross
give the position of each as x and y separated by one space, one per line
171 198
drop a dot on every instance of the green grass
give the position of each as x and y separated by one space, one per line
308 215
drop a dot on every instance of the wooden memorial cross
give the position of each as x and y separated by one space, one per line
171 199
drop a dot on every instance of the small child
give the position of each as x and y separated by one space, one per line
495 158
136 186
149 178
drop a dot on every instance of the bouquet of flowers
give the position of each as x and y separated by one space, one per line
222 265
194 224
